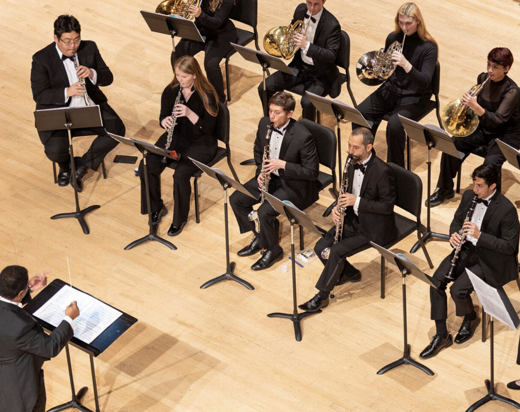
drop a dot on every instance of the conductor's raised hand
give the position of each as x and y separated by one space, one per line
39 281
72 310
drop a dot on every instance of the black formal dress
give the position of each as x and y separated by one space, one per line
296 183
219 32
494 258
321 77
197 141
374 221
48 82
501 120
403 93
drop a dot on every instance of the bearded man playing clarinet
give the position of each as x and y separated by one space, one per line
484 236
369 201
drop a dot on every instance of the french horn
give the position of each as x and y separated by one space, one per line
279 41
177 7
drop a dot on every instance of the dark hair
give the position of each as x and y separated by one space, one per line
65 24
368 137
284 100
490 173
502 56
13 279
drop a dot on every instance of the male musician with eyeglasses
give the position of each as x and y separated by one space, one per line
490 251
56 83
369 216
315 62
292 169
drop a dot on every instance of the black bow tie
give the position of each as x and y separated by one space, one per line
483 201
277 131
307 16
361 167
63 57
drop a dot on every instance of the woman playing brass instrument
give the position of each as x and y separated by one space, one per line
497 107
408 90
194 119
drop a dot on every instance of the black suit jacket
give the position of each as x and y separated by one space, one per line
302 168
49 78
497 247
324 49
24 346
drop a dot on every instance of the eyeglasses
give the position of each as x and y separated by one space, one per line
71 42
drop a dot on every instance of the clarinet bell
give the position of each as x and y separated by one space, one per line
325 253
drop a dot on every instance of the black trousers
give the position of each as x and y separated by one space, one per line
215 49
282 81
184 169
42 395
57 147
336 264
383 102
461 288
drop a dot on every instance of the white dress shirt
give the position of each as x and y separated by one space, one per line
275 143
311 32
357 182
478 217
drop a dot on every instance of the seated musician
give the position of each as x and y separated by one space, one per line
291 169
316 59
369 201
189 111
408 90
57 82
498 109
490 251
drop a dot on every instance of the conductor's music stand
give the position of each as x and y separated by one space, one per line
296 217
226 182
406 268
146 149
71 118
95 348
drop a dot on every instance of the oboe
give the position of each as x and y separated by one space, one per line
82 81
462 238
169 137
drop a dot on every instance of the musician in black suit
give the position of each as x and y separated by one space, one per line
24 346
212 20
316 59
292 168
369 202
55 83
490 251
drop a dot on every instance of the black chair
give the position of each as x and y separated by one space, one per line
479 151
244 11
222 152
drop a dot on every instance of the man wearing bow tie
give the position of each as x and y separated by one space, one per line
56 82
292 169
490 251
315 62
369 216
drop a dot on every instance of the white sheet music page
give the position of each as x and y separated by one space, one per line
95 316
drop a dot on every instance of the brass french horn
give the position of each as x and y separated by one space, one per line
279 41
177 7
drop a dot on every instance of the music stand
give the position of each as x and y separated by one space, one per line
295 217
71 118
146 149
496 303
98 346
226 182
433 137
511 154
406 268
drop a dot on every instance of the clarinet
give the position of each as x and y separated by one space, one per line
169 137
462 239
325 253
82 81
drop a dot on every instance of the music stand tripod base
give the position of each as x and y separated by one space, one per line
80 215
405 360
296 318
229 275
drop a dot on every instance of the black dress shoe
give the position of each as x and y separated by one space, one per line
439 196
436 345
63 177
315 304
466 330
250 249
344 278
176 230
157 216
81 171
268 259
513 385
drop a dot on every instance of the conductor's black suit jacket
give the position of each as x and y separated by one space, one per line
49 78
24 346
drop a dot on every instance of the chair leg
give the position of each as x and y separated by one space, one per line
318 117
407 152
426 254
484 326
54 172
227 81
350 90
231 167
196 195
104 169
301 238
518 283
458 179
383 279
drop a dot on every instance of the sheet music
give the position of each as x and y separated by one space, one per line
95 316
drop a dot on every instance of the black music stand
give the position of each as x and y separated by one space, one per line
406 268
102 342
146 149
71 118
173 25
226 182
433 137
295 217
496 303
511 154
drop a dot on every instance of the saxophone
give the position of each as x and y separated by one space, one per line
253 215
82 81
325 253
169 137
462 239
